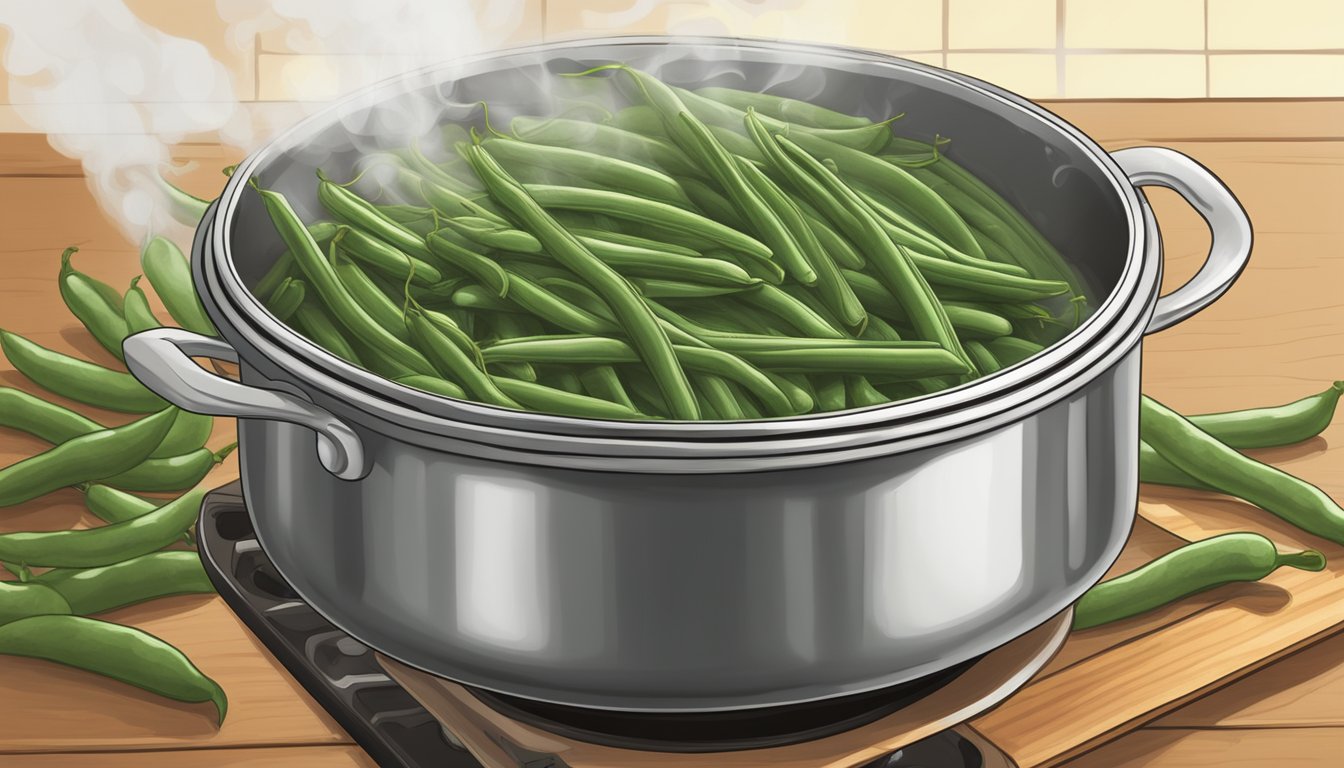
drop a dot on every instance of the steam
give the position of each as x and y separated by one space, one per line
117 94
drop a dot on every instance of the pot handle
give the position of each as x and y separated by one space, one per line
161 360
1227 220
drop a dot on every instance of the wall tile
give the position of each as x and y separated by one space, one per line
1282 75
1277 24
997 24
888 25
306 77
527 28
1171 24
1134 75
1033 75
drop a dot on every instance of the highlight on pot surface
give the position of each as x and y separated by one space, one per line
651 252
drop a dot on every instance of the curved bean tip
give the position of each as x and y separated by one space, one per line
223 453
599 68
65 257
1307 560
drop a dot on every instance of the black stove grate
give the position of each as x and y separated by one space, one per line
343 676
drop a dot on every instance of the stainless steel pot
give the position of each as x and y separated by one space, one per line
710 565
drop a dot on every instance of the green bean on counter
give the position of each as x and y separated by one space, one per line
135 309
1185 571
169 273
97 305
78 379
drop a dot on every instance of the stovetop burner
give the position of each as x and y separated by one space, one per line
344 676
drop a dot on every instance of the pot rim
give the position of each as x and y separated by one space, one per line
978 405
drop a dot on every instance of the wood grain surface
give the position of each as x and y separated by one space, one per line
1276 336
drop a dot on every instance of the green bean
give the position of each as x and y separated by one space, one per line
19 601
135 309
675 289
834 292
606 351
605 170
122 653
912 235
321 232
147 577
969 322
113 506
764 219
602 381
1193 568
55 424
984 359
868 138
417 219
717 397
911 363
895 268
91 302
801 396
434 385
1204 458
634 241
562 379
108 544
878 329
168 271
1010 350
314 323
606 139
830 392
90 456
323 279
645 333
171 473
493 235
642 119
448 202
783 108
836 245
742 342
1278 425
355 211
77 379
791 311
451 362
708 201
286 299
381 309
185 208
539 397
862 394
651 213
374 253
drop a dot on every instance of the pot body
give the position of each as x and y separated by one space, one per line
701 566
676 592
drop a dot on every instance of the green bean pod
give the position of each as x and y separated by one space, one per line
980 354
19 601
91 301
969 322
868 138
434 385
113 506
147 577
122 653
656 215
135 309
374 253
108 544
861 393
1204 458
1278 425
88 457
539 397
1010 350
1193 568
185 208
170 274
605 139
605 170
792 311
356 212
313 322
636 318
380 308
56 424
602 381
323 279
287 299
452 363
284 267
170 473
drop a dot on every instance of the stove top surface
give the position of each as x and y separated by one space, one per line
345 677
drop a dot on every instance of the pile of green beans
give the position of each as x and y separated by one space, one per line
674 255
143 551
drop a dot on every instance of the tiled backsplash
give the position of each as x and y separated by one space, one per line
1044 49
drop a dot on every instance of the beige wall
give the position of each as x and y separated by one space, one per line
1045 49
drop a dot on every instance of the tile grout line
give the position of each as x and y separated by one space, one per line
1208 88
946 32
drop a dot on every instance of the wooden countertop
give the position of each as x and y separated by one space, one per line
1278 335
